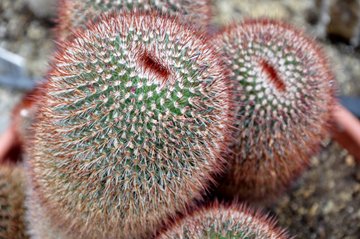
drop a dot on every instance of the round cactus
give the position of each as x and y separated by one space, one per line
130 126
12 188
287 94
73 13
218 221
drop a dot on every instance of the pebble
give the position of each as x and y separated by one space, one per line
345 196
356 188
313 209
329 207
35 31
309 191
331 184
350 161
302 211
315 161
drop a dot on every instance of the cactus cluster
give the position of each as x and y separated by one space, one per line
12 197
131 125
219 220
287 93
141 111
74 13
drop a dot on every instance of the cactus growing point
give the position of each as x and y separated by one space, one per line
130 125
284 110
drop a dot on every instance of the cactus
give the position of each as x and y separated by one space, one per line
40 224
73 13
130 127
218 220
284 109
12 223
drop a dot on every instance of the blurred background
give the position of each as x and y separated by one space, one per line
325 201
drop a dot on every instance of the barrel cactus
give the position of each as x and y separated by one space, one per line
218 220
131 125
74 13
12 197
287 94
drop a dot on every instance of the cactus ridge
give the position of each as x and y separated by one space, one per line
287 95
131 125
218 220
74 13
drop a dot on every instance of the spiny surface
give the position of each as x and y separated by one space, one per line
130 126
284 110
219 221
73 13
12 209
39 224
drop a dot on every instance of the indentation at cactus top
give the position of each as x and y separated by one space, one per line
131 125
287 94
271 75
151 64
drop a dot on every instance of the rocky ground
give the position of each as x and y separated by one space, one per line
325 201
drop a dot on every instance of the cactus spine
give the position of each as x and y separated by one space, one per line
284 109
217 221
131 125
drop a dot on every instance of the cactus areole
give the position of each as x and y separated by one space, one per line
287 95
131 125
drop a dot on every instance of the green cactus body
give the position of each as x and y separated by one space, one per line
12 208
131 125
219 221
287 94
73 13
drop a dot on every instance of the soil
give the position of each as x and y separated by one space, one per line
325 201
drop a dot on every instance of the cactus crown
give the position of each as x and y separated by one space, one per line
284 75
286 102
131 123
73 13
217 221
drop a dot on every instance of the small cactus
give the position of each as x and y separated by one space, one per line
73 13
12 209
287 94
217 221
130 127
